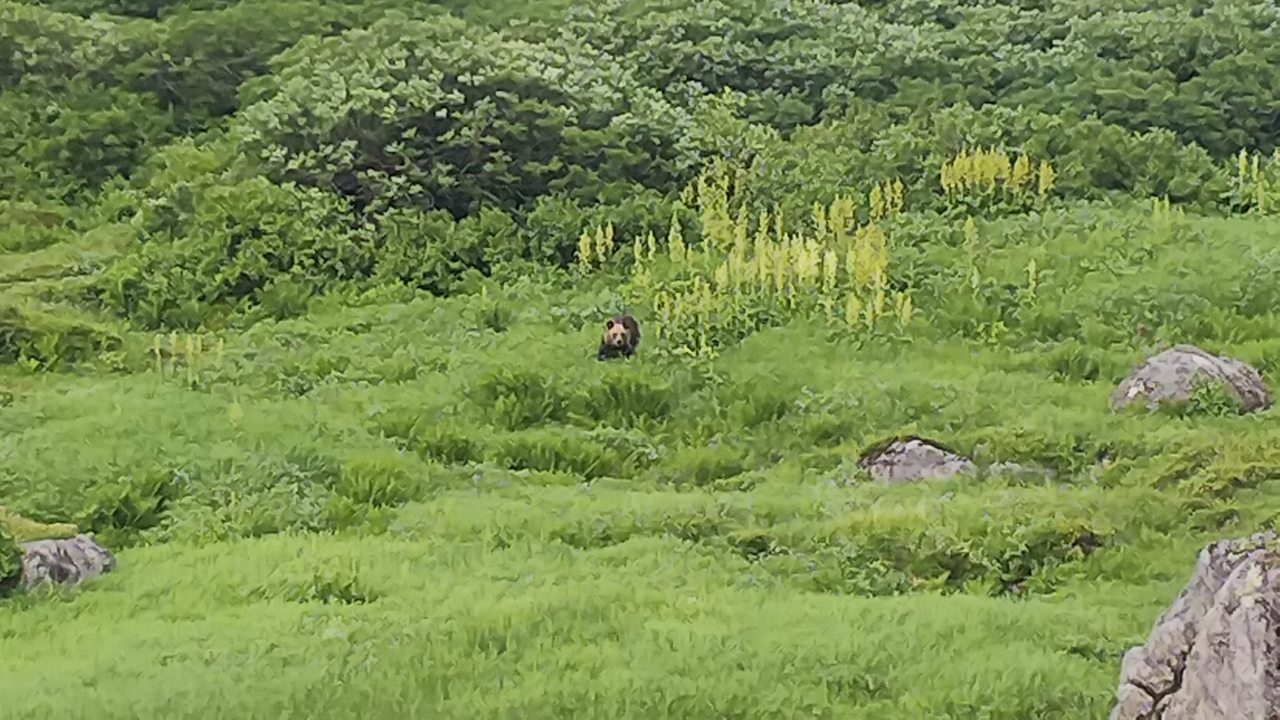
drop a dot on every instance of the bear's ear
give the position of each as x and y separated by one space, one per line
608 325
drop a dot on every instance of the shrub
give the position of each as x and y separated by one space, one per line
10 560
379 478
558 450
215 244
48 337
516 399
441 114
119 510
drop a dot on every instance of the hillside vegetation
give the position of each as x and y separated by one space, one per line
300 299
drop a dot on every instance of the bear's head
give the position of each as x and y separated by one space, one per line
617 334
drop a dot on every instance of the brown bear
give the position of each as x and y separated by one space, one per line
621 337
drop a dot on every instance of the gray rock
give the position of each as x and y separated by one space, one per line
1170 375
1213 655
912 458
66 562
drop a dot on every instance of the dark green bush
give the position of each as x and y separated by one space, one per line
516 399
558 450
120 509
379 478
215 244
51 338
442 115
995 555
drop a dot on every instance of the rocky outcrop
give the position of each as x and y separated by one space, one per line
1214 654
65 562
912 458
1172 374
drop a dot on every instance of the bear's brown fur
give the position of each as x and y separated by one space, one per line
621 337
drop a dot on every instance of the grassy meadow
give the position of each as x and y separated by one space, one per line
326 383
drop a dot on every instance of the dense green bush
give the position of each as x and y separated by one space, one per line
203 57
441 115
803 61
216 247
44 338
69 120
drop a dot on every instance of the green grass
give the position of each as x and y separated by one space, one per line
403 506
452 627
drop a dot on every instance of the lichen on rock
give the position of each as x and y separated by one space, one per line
1214 653
911 459
1173 376
65 562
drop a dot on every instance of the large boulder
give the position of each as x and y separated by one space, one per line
66 562
1171 376
1214 654
911 459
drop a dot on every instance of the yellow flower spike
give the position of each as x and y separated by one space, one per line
877 202
741 229
852 309
830 271
603 243
1046 178
721 278
584 250
899 195
675 242
970 230
905 309
1021 172
820 219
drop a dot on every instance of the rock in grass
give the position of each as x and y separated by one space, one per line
1172 374
1213 655
66 562
913 458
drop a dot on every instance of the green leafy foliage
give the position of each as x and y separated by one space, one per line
45 338
438 114
300 302
214 242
